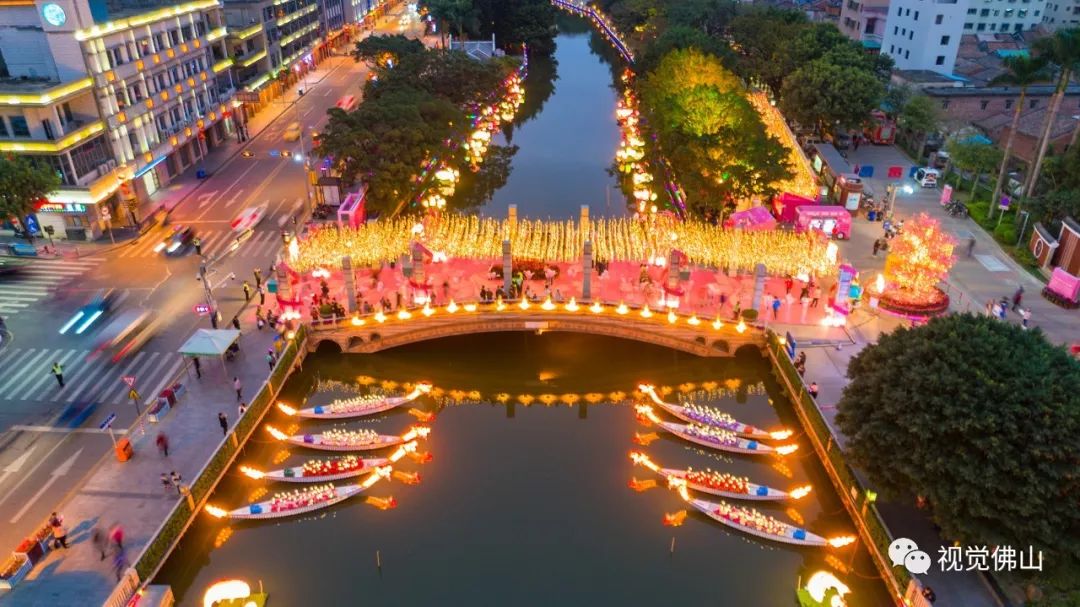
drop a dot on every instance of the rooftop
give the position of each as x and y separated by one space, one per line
27 85
1031 124
925 77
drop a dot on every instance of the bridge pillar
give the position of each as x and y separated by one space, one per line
585 221
511 218
508 261
759 287
419 274
586 271
350 284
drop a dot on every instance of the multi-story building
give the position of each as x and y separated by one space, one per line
162 82
1003 15
1061 14
864 21
924 34
267 37
119 99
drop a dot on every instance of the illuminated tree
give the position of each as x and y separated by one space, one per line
919 258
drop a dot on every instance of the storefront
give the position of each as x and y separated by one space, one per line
72 220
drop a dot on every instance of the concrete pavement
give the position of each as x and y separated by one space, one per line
131 493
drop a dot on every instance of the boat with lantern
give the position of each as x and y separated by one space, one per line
716 438
296 502
317 471
757 524
707 416
726 485
358 406
345 440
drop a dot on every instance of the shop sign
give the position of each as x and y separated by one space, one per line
62 207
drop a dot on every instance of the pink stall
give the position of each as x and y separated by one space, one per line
834 221
754 218
785 204
352 212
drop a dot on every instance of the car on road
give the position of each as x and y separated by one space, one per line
96 307
10 270
927 177
144 332
119 329
292 132
347 103
248 219
177 242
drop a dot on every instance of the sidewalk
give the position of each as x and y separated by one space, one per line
131 493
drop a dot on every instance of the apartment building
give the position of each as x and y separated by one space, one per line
268 36
1003 16
864 21
1061 14
924 34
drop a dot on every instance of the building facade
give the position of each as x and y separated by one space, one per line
924 35
1060 14
1003 16
269 36
864 21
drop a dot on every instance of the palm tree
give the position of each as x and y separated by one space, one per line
1023 72
1063 50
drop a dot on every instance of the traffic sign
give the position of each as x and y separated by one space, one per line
108 422
202 309
129 380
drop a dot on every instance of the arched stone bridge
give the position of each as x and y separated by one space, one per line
374 333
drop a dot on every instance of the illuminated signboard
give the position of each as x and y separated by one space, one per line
62 207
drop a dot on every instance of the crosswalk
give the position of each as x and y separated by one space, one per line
214 242
38 280
26 374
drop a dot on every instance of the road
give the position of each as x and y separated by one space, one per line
41 457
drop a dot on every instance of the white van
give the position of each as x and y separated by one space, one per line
927 177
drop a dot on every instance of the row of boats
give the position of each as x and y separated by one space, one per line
317 475
717 430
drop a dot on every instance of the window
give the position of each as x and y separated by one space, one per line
916 15
1033 104
90 155
174 37
907 12
1008 104
143 46
971 11
940 18
968 26
984 12
65 113
892 50
911 35
116 55
1021 13
49 133
945 104
895 30
944 40
1018 26
1004 27
907 54
993 27
940 60
19 127
980 27
186 31
983 104
997 13
1008 12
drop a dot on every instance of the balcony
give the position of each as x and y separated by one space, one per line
250 59
181 51
73 138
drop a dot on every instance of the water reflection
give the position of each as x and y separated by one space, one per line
526 501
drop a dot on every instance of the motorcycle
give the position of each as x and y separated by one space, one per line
956 209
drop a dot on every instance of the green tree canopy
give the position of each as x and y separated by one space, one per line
450 75
921 116
23 183
973 156
830 95
710 17
679 37
459 15
384 50
983 419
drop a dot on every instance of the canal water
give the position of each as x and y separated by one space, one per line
524 505
566 135
525 502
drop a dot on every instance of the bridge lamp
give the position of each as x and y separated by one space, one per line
622 309
597 307
672 318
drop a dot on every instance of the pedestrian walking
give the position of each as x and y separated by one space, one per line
855 143
1025 317
59 532
224 421
262 296
198 366
58 372
236 322
1017 297
119 564
241 410
239 387
815 295
198 245
258 277
775 306
166 482
813 389
247 291
970 246
116 535
176 480
98 541
162 442
877 246
270 360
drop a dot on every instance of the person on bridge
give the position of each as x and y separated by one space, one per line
58 371
224 422
239 387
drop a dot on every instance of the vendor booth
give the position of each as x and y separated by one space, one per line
754 218
833 221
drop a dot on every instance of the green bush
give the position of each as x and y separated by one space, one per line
1005 233
750 315
157 549
978 209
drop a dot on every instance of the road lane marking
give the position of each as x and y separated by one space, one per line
15 466
61 470
26 363
36 385
62 430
